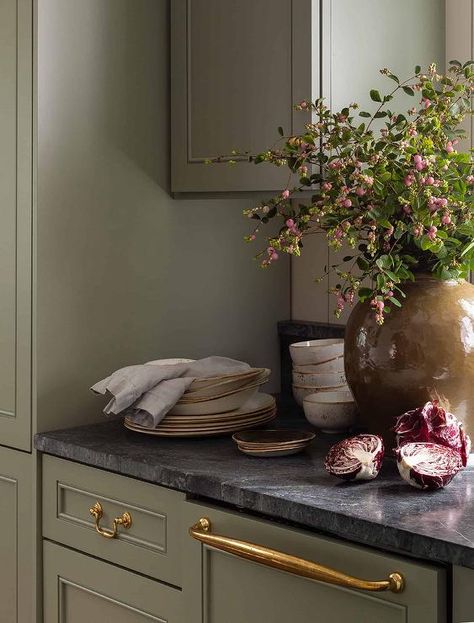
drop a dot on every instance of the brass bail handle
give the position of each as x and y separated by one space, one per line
202 531
124 520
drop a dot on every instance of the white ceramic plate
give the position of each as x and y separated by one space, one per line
168 362
199 433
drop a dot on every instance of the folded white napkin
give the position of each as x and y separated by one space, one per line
147 392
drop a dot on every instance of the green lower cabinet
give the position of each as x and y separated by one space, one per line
17 577
223 588
463 603
79 588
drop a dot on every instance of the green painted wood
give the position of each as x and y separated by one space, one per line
234 590
463 584
15 221
16 538
152 545
236 71
79 588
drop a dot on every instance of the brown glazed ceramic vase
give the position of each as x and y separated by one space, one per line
423 351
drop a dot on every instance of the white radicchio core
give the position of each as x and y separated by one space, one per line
427 465
356 458
434 424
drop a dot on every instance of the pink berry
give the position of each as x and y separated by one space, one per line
360 192
417 158
347 203
285 194
449 147
446 219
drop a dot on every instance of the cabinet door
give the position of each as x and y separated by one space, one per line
16 537
79 588
237 68
233 589
15 221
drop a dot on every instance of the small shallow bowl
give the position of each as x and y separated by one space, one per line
327 379
300 392
316 351
333 365
331 412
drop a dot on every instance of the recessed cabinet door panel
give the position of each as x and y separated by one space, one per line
235 589
237 69
79 588
16 546
15 220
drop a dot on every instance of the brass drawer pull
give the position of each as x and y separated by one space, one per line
285 562
124 520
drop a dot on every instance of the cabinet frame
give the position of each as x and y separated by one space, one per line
192 174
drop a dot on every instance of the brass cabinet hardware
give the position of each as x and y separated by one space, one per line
285 562
124 520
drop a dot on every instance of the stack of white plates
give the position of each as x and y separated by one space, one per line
318 366
204 419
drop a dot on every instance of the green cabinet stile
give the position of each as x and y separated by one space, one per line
16 40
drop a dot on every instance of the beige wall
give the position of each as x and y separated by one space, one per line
359 39
126 273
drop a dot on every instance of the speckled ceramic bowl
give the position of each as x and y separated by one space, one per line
300 392
333 365
316 351
331 412
328 379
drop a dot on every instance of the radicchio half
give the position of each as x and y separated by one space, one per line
428 465
432 423
356 458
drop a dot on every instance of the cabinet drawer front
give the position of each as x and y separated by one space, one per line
249 591
150 545
79 588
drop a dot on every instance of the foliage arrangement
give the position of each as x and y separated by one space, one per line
390 186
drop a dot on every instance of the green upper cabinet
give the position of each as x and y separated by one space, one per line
237 68
15 221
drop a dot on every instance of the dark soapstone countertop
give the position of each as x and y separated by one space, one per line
386 513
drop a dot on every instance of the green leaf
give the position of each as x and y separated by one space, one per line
426 243
395 301
417 69
467 248
280 130
409 90
394 77
392 276
364 293
362 263
375 95
364 113
347 258
380 114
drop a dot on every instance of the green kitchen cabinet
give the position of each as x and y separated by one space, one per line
219 586
237 68
16 40
79 588
17 599
463 584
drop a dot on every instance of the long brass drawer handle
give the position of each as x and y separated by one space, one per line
285 562
124 520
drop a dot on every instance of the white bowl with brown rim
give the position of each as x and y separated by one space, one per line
316 351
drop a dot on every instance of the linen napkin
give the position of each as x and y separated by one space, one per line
147 392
